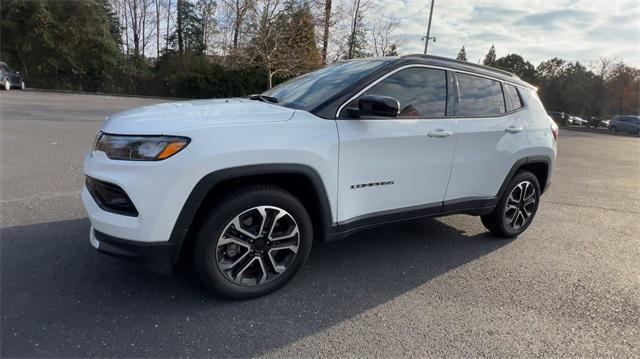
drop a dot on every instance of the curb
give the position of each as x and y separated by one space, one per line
601 131
107 94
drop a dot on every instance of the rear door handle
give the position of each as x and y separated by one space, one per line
440 133
513 129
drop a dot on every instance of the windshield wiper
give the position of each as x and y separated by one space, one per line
263 98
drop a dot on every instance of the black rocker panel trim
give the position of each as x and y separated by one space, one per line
385 217
208 182
471 205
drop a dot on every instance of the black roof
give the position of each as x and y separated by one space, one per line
464 66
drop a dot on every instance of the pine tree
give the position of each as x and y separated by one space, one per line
301 38
357 41
490 58
393 50
462 55
104 6
188 34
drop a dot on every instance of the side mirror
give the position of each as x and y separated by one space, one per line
17 72
380 106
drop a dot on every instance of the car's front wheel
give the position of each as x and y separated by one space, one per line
22 85
516 208
6 85
253 241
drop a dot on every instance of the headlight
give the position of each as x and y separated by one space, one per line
139 148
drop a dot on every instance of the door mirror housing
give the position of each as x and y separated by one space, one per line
379 106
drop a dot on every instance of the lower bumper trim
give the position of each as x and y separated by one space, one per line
158 257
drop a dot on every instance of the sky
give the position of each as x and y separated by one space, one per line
582 30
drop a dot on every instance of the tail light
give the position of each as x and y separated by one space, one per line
555 131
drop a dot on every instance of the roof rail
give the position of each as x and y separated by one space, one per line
469 64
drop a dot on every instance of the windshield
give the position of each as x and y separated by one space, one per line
310 90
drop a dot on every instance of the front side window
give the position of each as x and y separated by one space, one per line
421 92
480 96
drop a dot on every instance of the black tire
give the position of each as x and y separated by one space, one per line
219 217
498 222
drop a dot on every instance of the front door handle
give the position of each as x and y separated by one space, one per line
440 133
513 129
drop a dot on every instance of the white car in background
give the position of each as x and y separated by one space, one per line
577 121
243 187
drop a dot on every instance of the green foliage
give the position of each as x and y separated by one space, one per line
490 57
300 42
188 36
59 44
356 44
516 64
393 50
462 55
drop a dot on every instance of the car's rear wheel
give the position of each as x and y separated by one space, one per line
253 241
516 208
6 85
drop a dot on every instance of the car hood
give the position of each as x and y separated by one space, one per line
167 118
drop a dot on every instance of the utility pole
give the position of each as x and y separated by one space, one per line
427 38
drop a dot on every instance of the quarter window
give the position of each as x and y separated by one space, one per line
512 97
421 92
480 96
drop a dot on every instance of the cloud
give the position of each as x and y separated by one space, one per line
575 30
555 18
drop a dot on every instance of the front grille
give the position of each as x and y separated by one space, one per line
110 197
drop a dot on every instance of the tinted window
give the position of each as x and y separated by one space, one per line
312 89
512 97
421 92
480 96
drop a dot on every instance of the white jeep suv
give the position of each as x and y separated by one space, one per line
242 187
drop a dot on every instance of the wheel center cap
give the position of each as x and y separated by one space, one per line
260 244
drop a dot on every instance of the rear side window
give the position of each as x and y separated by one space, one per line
512 98
421 92
480 96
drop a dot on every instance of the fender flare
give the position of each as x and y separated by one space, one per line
195 200
521 162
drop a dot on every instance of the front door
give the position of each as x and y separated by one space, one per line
389 166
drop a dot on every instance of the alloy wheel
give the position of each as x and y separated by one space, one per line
7 85
520 206
258 245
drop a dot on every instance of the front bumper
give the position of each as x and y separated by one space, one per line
158 257
157 190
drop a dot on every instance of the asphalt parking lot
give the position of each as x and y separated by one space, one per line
568 287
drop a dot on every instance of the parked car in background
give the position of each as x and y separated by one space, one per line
558 117
577 121
597 122
10 79
626 123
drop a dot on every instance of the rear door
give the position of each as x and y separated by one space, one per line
393 165
491 138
